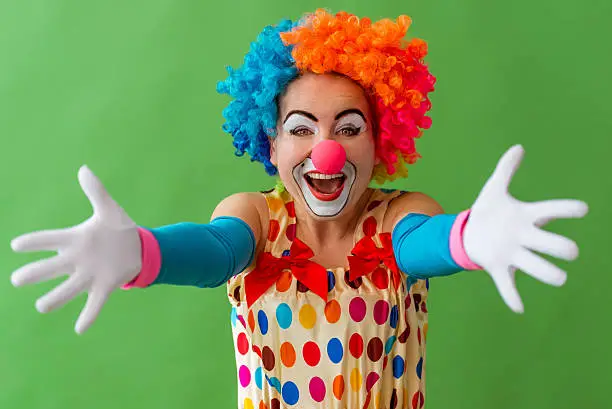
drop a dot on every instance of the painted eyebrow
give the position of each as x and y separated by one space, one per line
351 111
304 113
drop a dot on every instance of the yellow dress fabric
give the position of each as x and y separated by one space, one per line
362 348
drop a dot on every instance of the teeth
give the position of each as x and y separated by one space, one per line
315 175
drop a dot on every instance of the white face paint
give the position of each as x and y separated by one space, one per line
300 125
350 125
324 205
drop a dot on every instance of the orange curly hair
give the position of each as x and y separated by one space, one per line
389 68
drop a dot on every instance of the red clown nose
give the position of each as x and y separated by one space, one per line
328 157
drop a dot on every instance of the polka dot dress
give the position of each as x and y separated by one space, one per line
363 347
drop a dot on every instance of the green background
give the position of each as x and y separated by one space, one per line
128 87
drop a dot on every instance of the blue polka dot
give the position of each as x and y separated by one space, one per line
389 344
286 253
234 316
275 383
386 190
263 322
398 367
419 368
331 281
284 316
259 377
394 317
334 350
427 283
290 393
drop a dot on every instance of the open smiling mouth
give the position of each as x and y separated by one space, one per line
325 194
325 187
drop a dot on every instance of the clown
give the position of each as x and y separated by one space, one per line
327 277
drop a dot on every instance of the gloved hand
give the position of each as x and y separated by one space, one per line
502 233
99 255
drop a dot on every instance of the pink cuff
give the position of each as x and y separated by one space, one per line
456 243
151 261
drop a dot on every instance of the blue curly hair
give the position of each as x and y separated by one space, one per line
251 116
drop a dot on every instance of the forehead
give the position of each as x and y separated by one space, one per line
323 95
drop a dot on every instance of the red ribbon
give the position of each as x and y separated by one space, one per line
366 257
270 268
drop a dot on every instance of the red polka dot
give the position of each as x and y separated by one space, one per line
371 380
374 204
375 349
385 361
242 343
417 300
393 403
404 335
317 389
423 306
356 345
418 400
290 232
407 301
273 230
380 277
419 334
369 226
357 309
256 349
275 404
381 312
268 358
237 293
290 209
311 353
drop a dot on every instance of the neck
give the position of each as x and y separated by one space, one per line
321 231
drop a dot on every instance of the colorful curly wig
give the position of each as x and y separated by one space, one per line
375 55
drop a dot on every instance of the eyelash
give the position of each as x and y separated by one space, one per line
299 131
353 130
305 131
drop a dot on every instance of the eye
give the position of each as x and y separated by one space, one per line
300 131
349 131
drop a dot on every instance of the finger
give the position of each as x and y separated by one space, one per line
43 240
95 301
551 244
42 270
504 282
61 294
506 167
94 190
544 211
539 268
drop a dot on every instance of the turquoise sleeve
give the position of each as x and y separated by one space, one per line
203 255
422 245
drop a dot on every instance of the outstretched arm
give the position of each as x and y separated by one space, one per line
206 254
109 251
497 234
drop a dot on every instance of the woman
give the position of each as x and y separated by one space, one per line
327 277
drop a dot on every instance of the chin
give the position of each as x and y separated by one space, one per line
326 196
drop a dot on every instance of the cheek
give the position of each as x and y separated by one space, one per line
362 153
290 153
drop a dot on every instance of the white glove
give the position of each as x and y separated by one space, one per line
502 232
99 255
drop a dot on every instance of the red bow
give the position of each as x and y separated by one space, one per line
270 268
366 256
